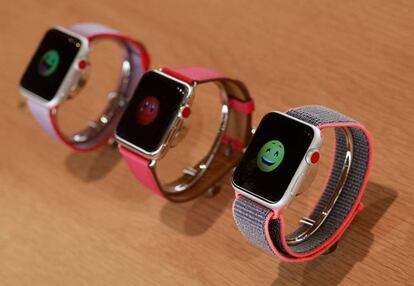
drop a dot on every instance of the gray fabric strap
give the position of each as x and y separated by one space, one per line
253 220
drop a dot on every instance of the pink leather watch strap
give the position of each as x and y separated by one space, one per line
139 59
140 168
200 75
241 106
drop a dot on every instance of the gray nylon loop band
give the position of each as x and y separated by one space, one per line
251 217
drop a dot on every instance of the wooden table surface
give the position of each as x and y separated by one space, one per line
82 219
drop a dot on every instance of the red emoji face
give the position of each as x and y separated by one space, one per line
147 110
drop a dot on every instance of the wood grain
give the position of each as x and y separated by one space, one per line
82 219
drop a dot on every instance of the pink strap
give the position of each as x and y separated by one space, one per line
140 166
235 144
141 169
240 106
200 75
140 62
190 74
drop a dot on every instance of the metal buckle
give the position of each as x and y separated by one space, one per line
314 224
197 172
116 101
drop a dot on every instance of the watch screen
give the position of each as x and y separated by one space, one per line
273 156
50 64
153 107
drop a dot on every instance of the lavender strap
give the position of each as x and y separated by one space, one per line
43 114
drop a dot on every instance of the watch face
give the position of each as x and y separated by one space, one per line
50 64
153 107
273 157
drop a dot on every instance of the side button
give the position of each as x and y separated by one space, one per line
312 157
185 112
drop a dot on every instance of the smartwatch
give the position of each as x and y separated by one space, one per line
59 68
282 151
156 117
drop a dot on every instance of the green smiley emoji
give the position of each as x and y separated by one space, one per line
49 63
270 156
